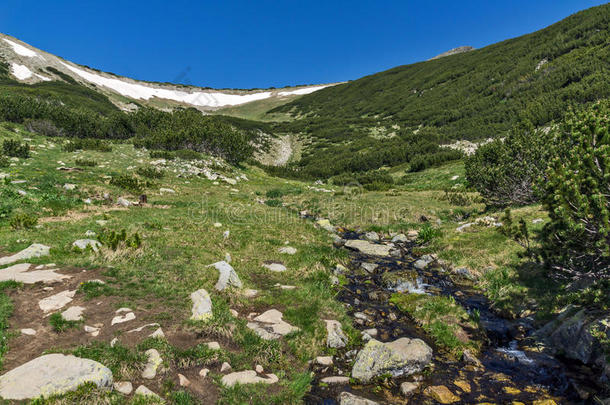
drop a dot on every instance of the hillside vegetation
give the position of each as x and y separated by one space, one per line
473 95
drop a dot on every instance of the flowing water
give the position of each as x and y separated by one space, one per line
511 369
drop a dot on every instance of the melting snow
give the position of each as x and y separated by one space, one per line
22 72
300 92
141 92
21 50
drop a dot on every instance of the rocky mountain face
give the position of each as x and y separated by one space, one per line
459 49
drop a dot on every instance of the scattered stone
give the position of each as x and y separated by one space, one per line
217 224
225 367
369 267
368 248
90 234
22 193
234 313
339 270
228 257
202 305
73 314
465 385
152 365
123 202
326 225
28 331
101 222
408 388
167 191
470 358
124 387
250 293
83 244
69 186
130 316
141 328
259 369
269 325
337 379
403 356
247 377
52 374
35 250
441 394
335 337
183 381
18 272
400 238
203 373
227 277
57 301
537 221
324 360
88 201
346 398
92 330
288 250
158 334
213 345
275 267
142 390
114 342
371 236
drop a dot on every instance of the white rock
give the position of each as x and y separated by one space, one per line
28 331
324 360
69 186
83 244
247 377
213 345
225 367
202 305
124 387
335 380
152 365
74 313
167 191
35 250
18 272
270 325
288 250
250 293
183 381
204 372
52 374
141 328
123 309
227 277
217 224
144 391
259 369
226 234
123 202
275 267
335 337
90 234
368 248
158 334
57 301
114 342
130 316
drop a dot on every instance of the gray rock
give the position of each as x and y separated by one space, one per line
371 236
124 387
28 332
368 248
19 272
288 250
83 244
403 356
56 301
123 202
346 398
337 379
53 374
270 325
408 388
324 360
247 377
335 337
35 250
74 313
369 267
202 305
152 365
275 267
227 277
145 392
401 238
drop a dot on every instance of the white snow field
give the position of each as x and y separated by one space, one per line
22 72
300 92
21 50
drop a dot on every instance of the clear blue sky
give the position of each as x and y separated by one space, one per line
263 43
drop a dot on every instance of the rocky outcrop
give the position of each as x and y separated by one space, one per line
368 248
454 51
270 325
35 250
403 356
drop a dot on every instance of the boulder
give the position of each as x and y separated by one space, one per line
202 305
403 356
270 325
371 236
53 374
19 272
346 398
35 250
227 277
83 244
368 248
335 337
247 377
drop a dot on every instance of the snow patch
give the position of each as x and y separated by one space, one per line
21 50
300 92
22 72
141 92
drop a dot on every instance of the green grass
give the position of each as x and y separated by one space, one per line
59 324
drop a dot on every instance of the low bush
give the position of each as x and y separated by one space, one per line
150 172
23 221
43 127
130 183
4 161
427 233
114 240
162 154
85 162
14 148
98 145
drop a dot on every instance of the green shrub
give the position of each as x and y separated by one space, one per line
506 172
150 172
130 183
162 154
87 144
187 154
427 233
14 148
274 203
576 240
23 221
4 161
114 240
85 162
274 193
43 127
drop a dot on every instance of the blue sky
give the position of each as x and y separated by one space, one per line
264 43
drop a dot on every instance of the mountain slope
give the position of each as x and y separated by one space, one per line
476 94
29 65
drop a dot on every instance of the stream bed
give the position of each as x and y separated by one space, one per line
510 368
